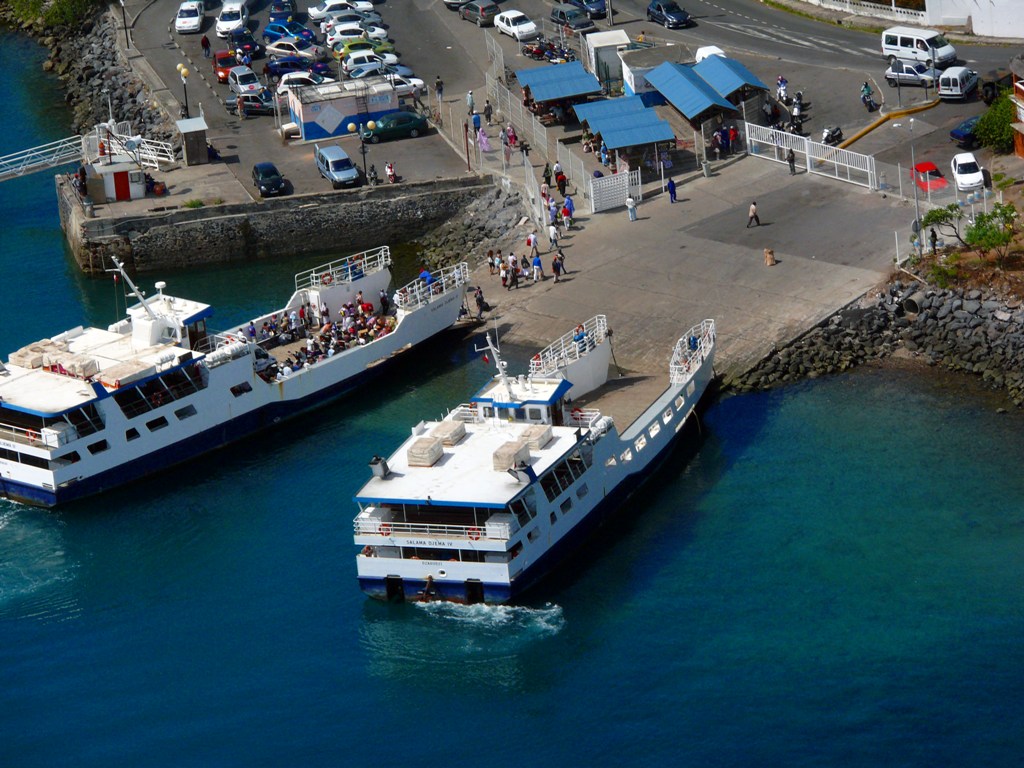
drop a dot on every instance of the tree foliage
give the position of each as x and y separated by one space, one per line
56 13
994 231
948 220
995 129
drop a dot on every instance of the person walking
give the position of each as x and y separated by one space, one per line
791 159
538 269
240 107
671 187
205 45
752 217
560 180
933 240
631 208
488 111
546 174
470 105
513 273
566 218
531 243
476 122
553 235
439 89
480 303
556 267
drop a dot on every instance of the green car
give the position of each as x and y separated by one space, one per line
344 47
396 125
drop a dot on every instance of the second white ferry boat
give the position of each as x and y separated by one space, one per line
90 409
480 505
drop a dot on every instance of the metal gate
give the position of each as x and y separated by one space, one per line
822 159
611 191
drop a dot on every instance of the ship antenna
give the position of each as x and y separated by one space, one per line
135 291
499 364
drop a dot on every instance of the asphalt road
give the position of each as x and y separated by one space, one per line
825 61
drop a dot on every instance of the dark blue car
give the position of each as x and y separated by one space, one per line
282 10
963 134
668 14
288 64
243 39
595 9
267 179
278 29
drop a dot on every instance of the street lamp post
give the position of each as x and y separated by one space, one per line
353 128
183 71
913 176
124 23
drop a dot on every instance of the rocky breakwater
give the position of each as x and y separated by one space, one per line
967 331
489 221
97 79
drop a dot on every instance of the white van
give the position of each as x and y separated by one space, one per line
927 45
957 83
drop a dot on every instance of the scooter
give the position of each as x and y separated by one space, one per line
832 134
389 170
372 177
782 90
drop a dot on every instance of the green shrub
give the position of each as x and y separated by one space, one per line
57 13
995 129
194 204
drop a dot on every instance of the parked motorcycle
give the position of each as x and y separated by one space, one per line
832 134
782 90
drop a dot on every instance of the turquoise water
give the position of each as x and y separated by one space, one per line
834 579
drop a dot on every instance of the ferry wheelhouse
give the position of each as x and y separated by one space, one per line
92 408
480 505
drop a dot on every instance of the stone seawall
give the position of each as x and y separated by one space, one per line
343 222
964 331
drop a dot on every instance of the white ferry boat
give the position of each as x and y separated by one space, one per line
90 409
478 506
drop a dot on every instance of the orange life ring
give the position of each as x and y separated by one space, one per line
577 415
367 550
474 533
156 399
385 529
32 435
326 279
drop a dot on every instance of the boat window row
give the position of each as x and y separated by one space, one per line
24 458
160 390
560 477
532 414
524 508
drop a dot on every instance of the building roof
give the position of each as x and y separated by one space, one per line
560 81
598 110
686 90
631 130
727 75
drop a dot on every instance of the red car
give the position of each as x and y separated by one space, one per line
928 177
223 61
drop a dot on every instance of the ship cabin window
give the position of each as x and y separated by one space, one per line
566 505
184 413
653 430
23 458
155 424
553 518
680 402
69 458
98 447
488 411
566 472
86 420
582 491
523 512
610 461
196 334
535 414
240 389
131 434
533 535
667 416
517 548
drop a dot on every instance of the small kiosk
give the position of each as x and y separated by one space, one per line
193 140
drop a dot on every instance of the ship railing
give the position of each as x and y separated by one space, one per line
465 412
584 417
571 346
690 351
420 292
493 530
345 270
221 348
27 436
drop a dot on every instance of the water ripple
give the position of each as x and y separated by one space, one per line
35 573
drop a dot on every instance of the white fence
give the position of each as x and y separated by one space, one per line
822 159
874 10
611 191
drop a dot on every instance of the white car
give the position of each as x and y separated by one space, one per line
321 9
191 15
516 24
242 80
967 174
361 59
348 17
295 79
232 16
355 32
294 46
404 86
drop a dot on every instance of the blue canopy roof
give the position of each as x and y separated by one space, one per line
558 81
596 110
685 89
644 127
726 75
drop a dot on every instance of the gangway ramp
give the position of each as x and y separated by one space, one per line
40 158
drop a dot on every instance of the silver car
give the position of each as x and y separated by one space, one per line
336 166
243 80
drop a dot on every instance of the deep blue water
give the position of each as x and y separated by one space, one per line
835 578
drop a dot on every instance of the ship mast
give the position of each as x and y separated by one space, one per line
135 291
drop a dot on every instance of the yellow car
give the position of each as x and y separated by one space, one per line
343 48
